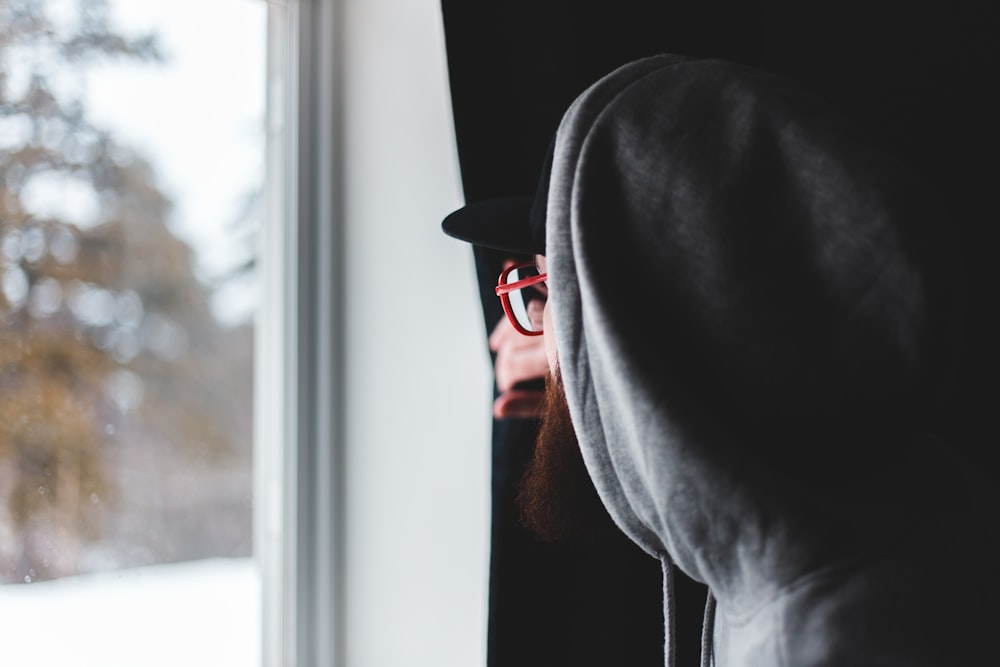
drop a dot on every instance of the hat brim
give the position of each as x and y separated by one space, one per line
500 224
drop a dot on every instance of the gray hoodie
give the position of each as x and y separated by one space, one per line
754 312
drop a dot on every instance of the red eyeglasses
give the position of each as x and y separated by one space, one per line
519 285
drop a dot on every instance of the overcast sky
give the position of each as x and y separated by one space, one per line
199 117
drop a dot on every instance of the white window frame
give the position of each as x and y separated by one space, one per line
298 406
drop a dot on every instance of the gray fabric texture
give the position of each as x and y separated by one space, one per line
753 308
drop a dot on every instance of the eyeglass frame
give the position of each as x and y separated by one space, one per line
504 289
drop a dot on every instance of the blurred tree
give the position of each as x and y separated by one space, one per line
124 405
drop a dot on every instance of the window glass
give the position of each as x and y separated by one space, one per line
131 166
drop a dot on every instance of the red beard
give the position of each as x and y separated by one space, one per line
557 499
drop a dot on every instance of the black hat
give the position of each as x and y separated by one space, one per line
512 224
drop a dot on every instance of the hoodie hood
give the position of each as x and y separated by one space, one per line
753 311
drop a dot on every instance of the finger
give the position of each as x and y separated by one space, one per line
519 404
501 331
504 334
519 362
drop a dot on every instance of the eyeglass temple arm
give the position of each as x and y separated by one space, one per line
506 288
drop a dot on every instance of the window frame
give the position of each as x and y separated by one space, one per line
298 445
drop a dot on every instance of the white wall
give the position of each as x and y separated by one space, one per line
418 384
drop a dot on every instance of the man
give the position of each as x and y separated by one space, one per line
750 315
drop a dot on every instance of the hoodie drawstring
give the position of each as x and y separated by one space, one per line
707 624
707 631
668 610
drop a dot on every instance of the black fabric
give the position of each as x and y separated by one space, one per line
598 603
918 76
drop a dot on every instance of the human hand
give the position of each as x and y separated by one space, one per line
519 359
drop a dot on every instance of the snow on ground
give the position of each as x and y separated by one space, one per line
194 614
